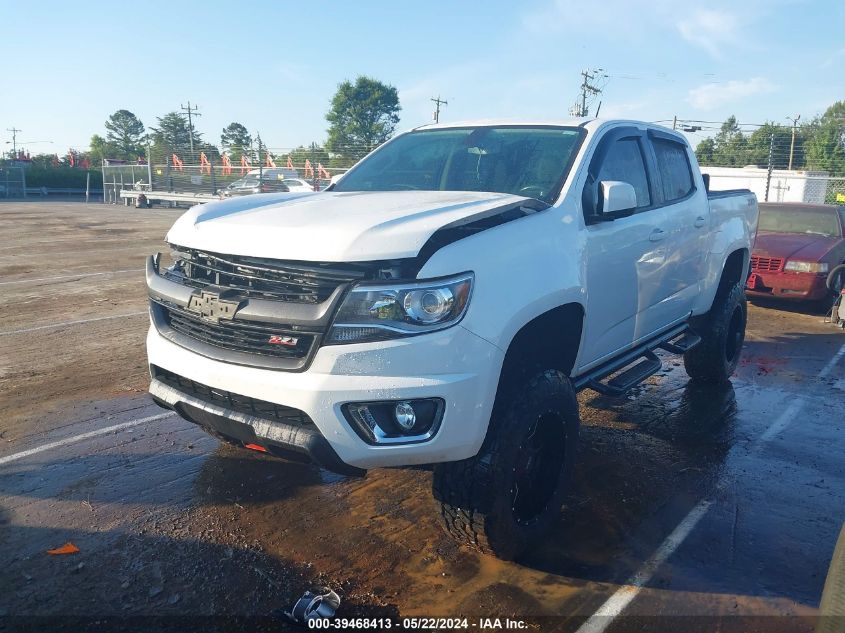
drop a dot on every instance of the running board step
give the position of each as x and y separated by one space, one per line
631 377
683 344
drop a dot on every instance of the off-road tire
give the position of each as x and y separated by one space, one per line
832 608
722 332
479 498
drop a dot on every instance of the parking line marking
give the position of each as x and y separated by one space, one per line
55 325
80 275
832 363
623 596
83 436
781 423
614 605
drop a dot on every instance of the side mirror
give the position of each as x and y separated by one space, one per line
618 199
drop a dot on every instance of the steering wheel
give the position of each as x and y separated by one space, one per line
532 188
404 187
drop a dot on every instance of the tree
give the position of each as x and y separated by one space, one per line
236 140
362 116
173 136
100 148
731 148
314 153
825 145
705 151
760 141
126 134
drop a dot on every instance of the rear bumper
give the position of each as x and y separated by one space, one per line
787 285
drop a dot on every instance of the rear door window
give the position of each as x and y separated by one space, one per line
674 168
624 162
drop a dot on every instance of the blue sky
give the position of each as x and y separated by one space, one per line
274 66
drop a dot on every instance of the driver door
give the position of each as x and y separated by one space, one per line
625 257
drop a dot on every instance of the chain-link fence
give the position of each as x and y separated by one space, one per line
12 182
208 174
779 163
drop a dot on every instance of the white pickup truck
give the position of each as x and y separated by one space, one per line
445 300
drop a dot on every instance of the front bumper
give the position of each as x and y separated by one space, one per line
453 364
788 285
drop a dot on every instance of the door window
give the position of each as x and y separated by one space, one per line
674 168
624 162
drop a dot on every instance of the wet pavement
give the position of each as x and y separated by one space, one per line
170 522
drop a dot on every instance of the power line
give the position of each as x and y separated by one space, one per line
438 101
588 89
192 112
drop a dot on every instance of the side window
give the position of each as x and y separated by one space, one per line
673 165
624 162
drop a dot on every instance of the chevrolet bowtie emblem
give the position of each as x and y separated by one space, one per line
212 308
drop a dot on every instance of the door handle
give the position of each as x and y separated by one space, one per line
700 221
657 235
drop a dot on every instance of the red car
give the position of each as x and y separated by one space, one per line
797 246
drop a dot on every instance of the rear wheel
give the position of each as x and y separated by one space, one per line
722 332
509 495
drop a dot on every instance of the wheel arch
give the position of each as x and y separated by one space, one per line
550 340
737 267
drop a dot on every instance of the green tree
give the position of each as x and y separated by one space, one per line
760 141
173 136
825 144
314 153
45 161
705 151
236 140
100 148
125 132
363 115
731 147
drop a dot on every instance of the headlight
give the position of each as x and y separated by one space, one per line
806 267
377 313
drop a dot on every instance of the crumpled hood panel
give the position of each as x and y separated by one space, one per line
326 227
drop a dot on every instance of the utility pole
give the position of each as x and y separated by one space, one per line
14 132
675 123
792 144
587 89
771 165
438 101
192 112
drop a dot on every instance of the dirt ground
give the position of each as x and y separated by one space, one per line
176 530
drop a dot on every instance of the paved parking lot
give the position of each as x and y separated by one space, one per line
717 503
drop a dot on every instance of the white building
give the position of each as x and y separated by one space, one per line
786 185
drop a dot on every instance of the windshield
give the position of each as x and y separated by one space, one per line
798 220
526 161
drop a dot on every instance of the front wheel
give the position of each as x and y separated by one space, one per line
509 495
722 332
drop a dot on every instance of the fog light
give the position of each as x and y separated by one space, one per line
395 422
405 416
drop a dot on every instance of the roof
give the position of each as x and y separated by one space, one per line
502 122
590 124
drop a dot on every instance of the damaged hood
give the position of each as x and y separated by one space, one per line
332 227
